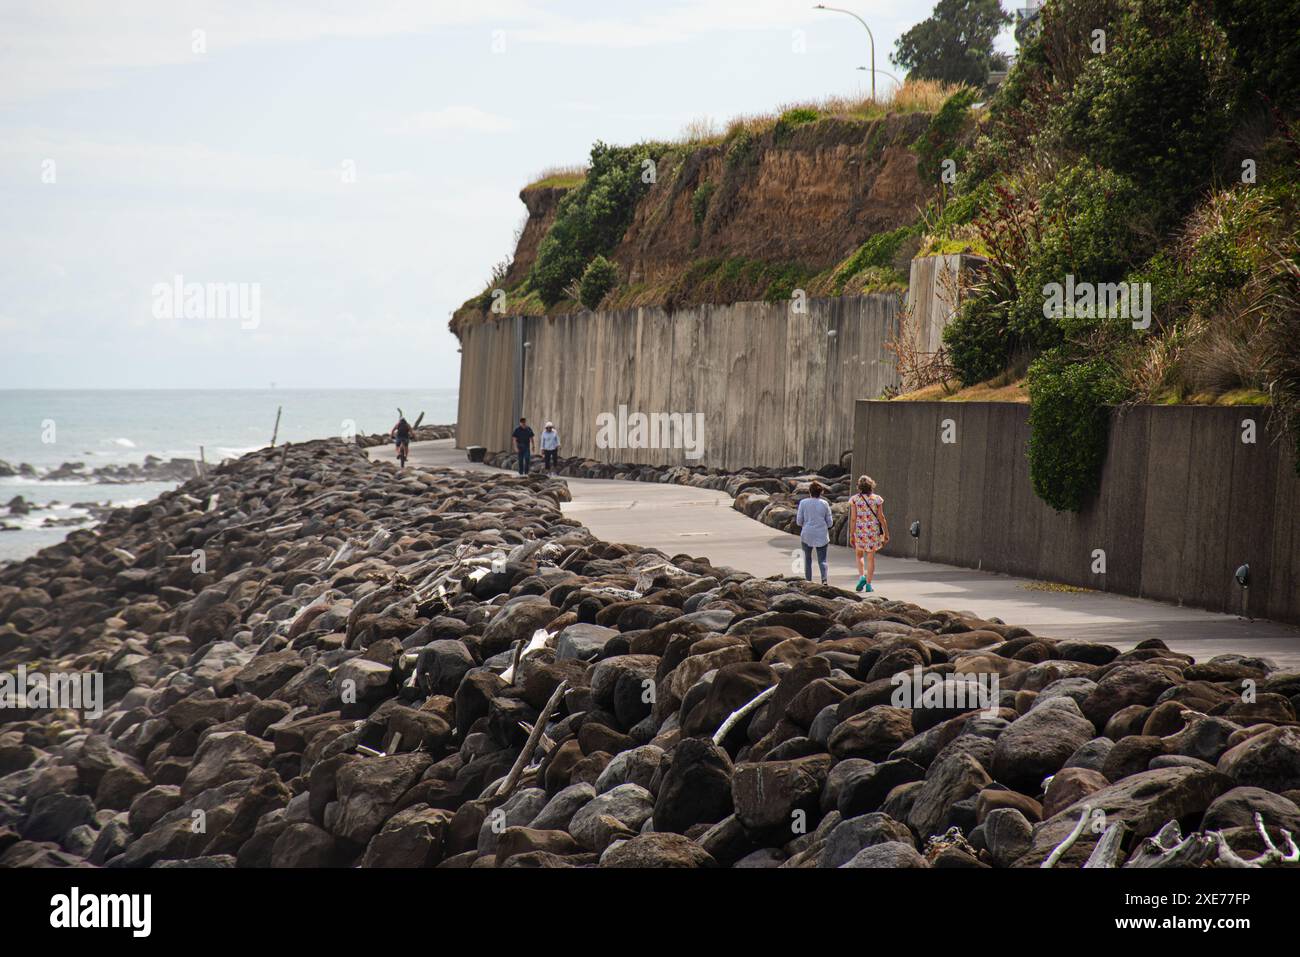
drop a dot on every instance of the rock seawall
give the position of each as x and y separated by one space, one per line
381 668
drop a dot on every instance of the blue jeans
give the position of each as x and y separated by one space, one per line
821 560
525 460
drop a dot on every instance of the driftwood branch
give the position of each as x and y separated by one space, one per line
1060 849
1170 848
740 713
1227 857
1110 848
530 746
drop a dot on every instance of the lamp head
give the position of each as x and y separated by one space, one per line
1243 576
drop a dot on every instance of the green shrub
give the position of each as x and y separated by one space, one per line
977 340
791 120
785 280
1069 424
1154 106
740 151
598 278
879 250
1090 229
940 140
592 217
1265 45
1170 288
700 201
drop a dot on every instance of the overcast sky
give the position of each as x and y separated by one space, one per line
357 164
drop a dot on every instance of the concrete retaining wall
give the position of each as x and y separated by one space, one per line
934 292
775 388
1183 501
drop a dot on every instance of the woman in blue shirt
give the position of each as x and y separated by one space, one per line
814 520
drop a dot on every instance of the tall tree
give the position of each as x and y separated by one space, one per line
955 44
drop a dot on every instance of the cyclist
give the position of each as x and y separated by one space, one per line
401 434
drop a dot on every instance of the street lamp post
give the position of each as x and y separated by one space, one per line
897 81
822 6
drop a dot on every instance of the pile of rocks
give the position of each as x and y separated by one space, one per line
312 660
152 469
425 433
767 495
19 506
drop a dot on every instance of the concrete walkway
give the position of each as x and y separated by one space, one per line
680 519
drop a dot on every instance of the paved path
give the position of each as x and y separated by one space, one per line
679 518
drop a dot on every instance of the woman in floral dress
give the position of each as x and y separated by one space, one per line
869 532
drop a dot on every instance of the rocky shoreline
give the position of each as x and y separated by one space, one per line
310 660
152 469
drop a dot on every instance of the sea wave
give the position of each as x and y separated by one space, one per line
36 481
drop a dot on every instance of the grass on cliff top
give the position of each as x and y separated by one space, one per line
914 96
563 177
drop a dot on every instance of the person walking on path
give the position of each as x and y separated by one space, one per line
523 437
550 447
814 519
868 530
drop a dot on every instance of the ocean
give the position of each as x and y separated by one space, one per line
46 428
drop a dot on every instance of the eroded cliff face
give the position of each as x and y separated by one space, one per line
721 221
541 202
811 199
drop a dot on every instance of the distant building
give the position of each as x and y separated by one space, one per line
1027 20
1026 26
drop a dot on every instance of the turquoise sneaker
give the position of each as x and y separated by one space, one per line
861 581
868 587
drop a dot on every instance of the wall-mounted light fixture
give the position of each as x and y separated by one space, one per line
1242 575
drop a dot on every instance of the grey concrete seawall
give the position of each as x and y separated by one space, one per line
775 386
1183 501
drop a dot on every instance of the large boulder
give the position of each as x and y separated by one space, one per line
950 779
516 621
657 850
226 756
771 795
627 806
441 665
583 641
848 837
696 788
873 733
890 854
1269 760
368 791
1126 685
1238 807
1039 743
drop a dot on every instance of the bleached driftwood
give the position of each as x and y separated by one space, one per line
1169 848
1110 848
1059 851
530 745
740 713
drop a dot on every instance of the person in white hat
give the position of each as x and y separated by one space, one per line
550 447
